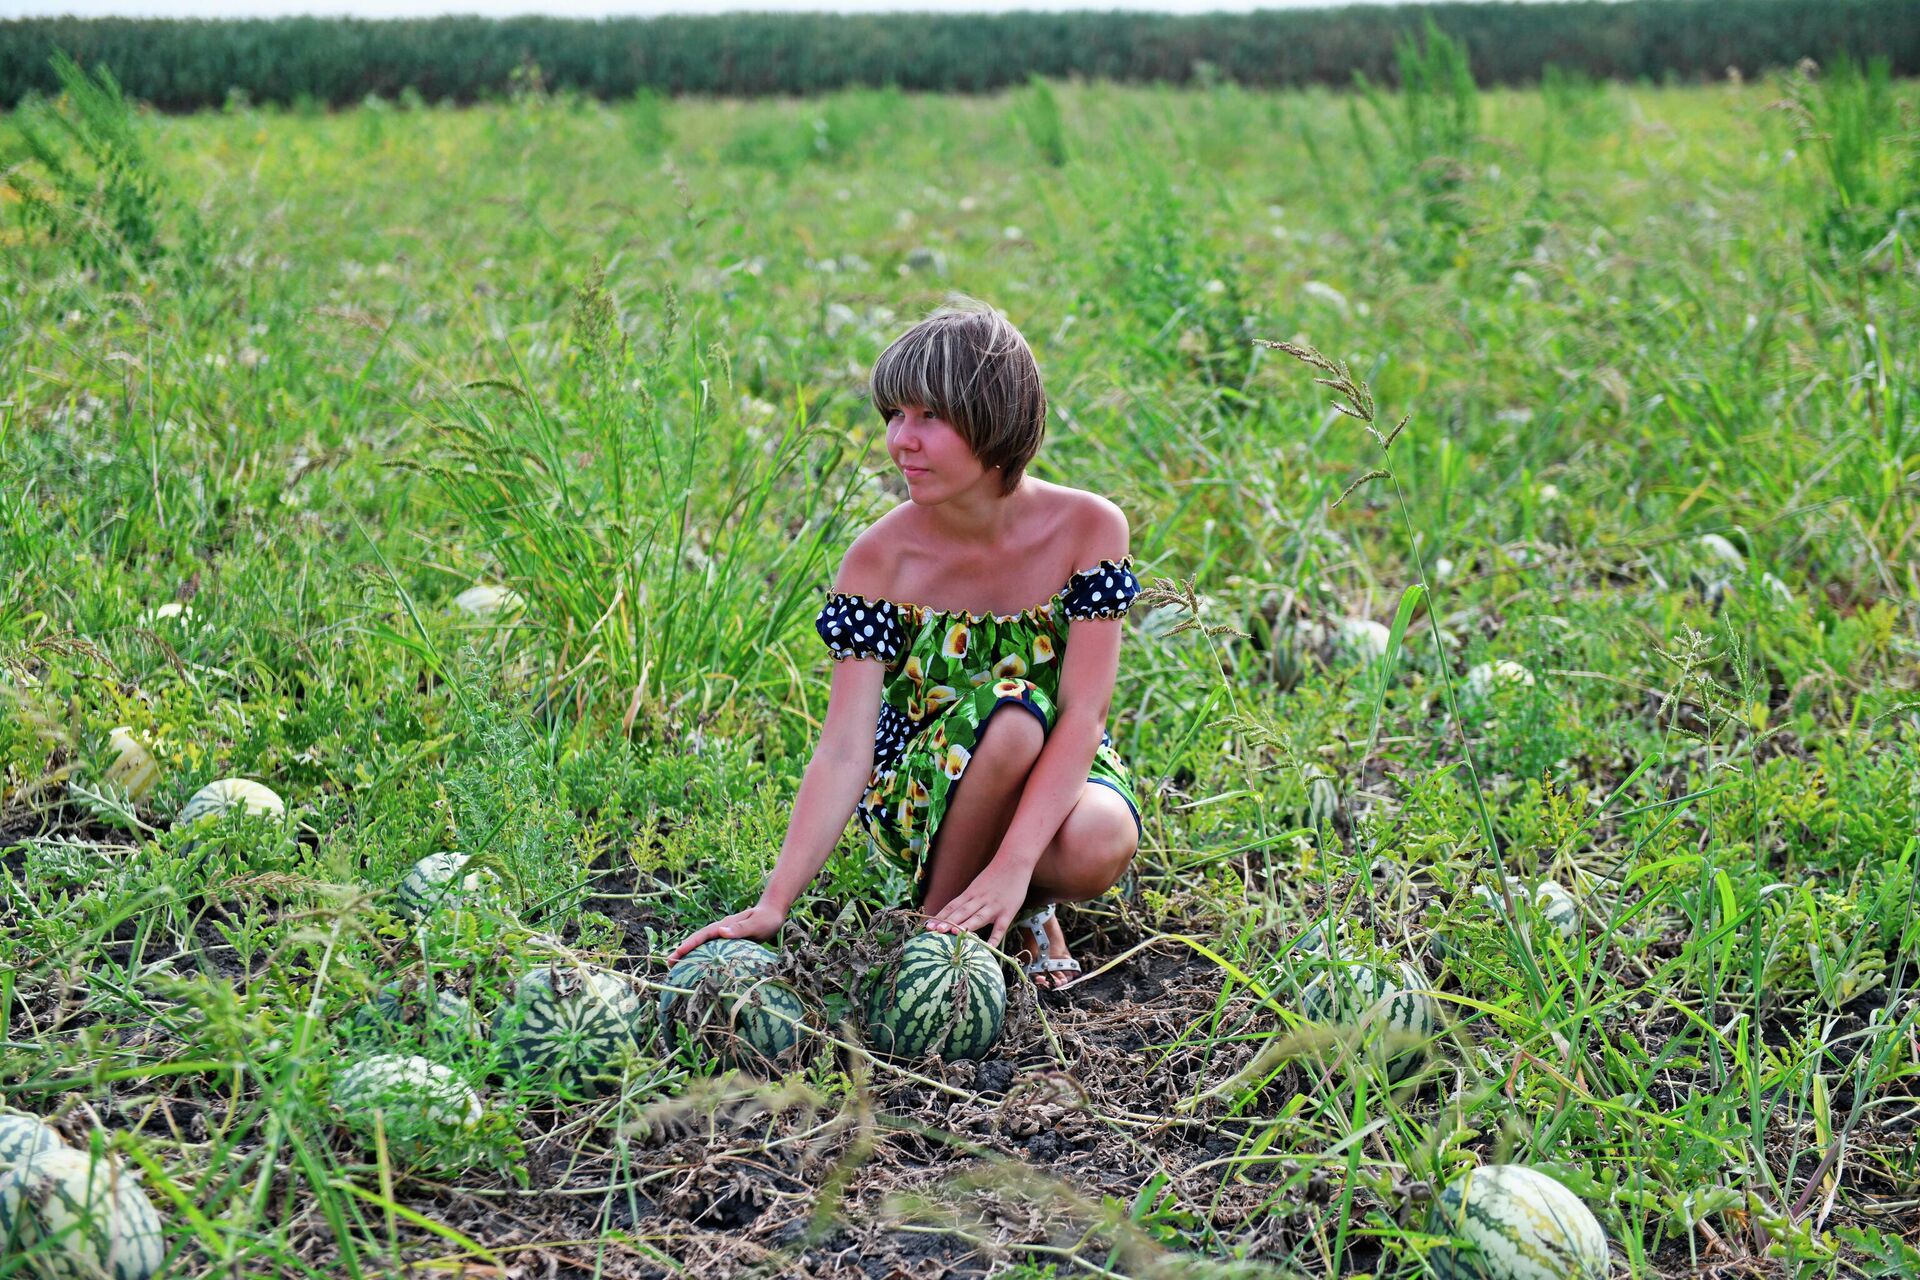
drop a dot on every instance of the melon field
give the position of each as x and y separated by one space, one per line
1525 488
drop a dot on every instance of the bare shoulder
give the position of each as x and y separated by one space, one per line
870 564
1099 527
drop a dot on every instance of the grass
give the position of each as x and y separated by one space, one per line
591 352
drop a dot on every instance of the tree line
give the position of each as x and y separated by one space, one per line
181 65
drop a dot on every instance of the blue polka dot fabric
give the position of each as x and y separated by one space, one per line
855 627
1103 591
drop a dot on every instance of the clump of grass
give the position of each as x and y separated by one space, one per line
1868 150
104 200
1038 112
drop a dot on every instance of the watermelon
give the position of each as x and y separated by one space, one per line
1363 638
421 1105
728 997
1319 939
1387 1004
446 1016
1509 1222
946 994
1557 908
436 881
22 1136
484 600
134 770
228 794
569 1024
1485 677
78 1217
1323 798
725 959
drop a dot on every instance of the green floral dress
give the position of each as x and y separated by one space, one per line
948 671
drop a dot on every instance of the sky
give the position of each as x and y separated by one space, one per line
597 8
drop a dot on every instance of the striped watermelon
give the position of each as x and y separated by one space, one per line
421 1105
1557 908
134 769
725 960
79 1218
1509 1222
946 994
569 1024
436 882
447 1016
1387 1004
228 794
728 998
22 1136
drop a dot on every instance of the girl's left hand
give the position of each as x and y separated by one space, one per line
993 900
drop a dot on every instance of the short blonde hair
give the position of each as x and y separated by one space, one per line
968 364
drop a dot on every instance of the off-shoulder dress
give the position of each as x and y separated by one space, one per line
947 672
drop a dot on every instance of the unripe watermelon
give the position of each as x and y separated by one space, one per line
76 1217
484 600
946 994
731 1001
22 1136
1514 1223
134 770
422 1106
569 1024
446 1016
1557 908
440 880
1388 1005
217 798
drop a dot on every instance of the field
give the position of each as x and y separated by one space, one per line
1650 354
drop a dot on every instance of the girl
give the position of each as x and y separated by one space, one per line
990 607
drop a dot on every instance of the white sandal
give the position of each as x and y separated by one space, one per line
1042 962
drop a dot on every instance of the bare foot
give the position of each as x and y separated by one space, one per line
1056 948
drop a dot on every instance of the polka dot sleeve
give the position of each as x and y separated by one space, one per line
1103 591
856 627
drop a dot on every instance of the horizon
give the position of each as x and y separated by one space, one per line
399 9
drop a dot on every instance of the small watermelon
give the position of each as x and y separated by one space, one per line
440 880
78 1217
134 770
484 600
569 1024
946 995
1509 1222
228 794
725 960
445 1016
22 1136
728 998
1557 908
1387 1004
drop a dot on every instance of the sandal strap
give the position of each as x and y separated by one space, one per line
1054 964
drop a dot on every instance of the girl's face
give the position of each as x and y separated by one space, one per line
931 453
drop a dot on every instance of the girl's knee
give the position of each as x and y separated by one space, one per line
1011 738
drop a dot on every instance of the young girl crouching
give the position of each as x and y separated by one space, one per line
976 631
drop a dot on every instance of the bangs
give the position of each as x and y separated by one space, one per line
937 366
971 367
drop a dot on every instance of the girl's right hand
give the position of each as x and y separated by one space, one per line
757 921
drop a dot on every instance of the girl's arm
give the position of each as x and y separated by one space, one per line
834 781
836 776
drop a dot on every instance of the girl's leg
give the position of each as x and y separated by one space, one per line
980 807
1090 852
